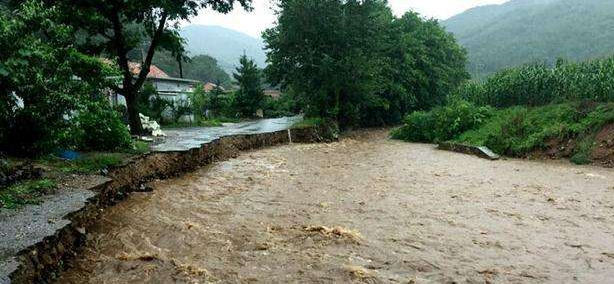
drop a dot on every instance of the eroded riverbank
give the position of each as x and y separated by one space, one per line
366 209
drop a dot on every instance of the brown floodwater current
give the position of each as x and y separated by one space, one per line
364 210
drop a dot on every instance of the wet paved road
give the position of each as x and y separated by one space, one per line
364 210
188 138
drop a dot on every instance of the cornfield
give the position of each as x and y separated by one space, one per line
539 84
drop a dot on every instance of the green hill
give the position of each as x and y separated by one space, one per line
223 44
521 31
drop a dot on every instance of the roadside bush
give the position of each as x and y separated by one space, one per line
283 106
43 79
28 135
200 102
442 123
100 128
151 104
180 108
418 128
225 107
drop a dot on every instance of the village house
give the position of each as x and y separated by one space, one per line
173 90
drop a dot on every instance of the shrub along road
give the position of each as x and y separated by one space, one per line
366 209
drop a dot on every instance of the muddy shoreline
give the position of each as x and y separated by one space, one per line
42 261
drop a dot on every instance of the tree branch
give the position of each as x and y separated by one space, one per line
150 52
120 48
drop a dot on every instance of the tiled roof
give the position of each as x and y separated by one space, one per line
154 71
210 87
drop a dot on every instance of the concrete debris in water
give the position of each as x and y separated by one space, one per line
151 126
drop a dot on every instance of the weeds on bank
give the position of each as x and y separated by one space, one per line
139 148
515 131
93 162
26 192
90 163
309 122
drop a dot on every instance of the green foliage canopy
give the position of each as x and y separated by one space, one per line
354 62
40 67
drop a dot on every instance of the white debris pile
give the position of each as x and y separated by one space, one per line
151 126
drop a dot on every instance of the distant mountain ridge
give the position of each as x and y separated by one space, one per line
521 31
223 44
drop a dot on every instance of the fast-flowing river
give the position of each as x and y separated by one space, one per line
366 209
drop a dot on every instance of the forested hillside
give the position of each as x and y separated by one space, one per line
203 68
521 31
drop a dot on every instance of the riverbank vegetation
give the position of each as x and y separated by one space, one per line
528 110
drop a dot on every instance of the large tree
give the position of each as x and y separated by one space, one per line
113 27
355 63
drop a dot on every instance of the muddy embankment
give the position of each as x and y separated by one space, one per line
41 262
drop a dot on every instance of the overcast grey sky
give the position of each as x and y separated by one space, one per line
262 17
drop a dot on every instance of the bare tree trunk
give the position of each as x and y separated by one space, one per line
134 119
131 85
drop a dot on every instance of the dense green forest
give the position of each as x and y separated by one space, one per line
523 31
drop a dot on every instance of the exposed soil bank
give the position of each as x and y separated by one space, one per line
602 153
366 209
39 262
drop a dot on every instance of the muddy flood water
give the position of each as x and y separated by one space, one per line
364 210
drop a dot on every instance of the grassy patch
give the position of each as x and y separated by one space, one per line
228 120
309 122
90 163
202 123
26 192
94 162
140 147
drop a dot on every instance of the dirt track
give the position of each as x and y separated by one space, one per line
366 209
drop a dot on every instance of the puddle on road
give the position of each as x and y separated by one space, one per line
365 210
